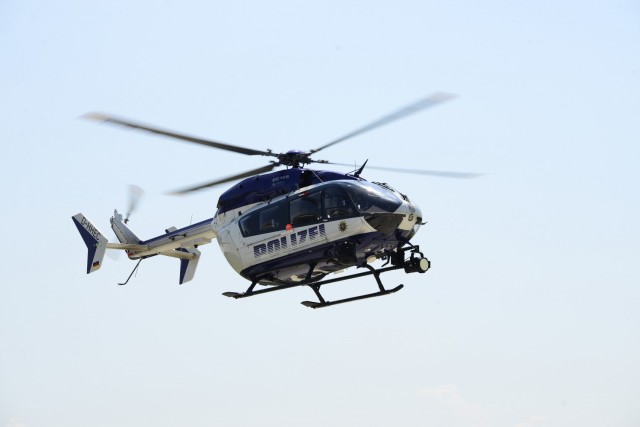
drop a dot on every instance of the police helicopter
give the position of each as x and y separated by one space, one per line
291 227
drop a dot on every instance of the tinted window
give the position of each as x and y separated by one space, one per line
306 210
371 198
333 202
271 218
337 204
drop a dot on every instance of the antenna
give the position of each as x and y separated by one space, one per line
359 171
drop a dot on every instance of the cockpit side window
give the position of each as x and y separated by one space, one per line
273 218
337 204
306 210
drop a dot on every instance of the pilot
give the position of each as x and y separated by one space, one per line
337 206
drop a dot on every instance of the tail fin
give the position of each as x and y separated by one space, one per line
95 241
188 265
123 233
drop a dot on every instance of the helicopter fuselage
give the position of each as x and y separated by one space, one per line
315 230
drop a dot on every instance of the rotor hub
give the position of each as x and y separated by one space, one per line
294 158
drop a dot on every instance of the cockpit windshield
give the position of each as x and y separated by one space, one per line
372 198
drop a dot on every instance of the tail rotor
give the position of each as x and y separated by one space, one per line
135 194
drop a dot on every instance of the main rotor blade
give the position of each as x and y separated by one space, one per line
126 123
230 178
430 101
443 174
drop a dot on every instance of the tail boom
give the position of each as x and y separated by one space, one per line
174 240
176 243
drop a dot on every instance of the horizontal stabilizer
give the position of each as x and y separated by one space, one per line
127 246
95 241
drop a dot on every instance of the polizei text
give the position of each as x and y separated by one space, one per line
294 239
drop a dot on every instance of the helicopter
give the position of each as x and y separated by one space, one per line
290 227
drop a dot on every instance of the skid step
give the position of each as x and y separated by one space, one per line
232 294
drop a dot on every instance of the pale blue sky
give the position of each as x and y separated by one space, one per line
529 316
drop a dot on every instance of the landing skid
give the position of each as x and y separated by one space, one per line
414 264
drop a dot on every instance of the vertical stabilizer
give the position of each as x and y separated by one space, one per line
188 266
95 241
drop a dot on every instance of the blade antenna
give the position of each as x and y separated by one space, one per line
359 171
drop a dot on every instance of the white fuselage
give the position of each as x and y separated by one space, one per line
243 252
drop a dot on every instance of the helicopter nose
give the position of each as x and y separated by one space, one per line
411 214
411 220
405 220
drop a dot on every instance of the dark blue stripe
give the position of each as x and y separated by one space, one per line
89 241
184 263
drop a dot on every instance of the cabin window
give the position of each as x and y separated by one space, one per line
332 203
306 210
271 218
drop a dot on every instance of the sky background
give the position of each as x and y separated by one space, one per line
529 315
